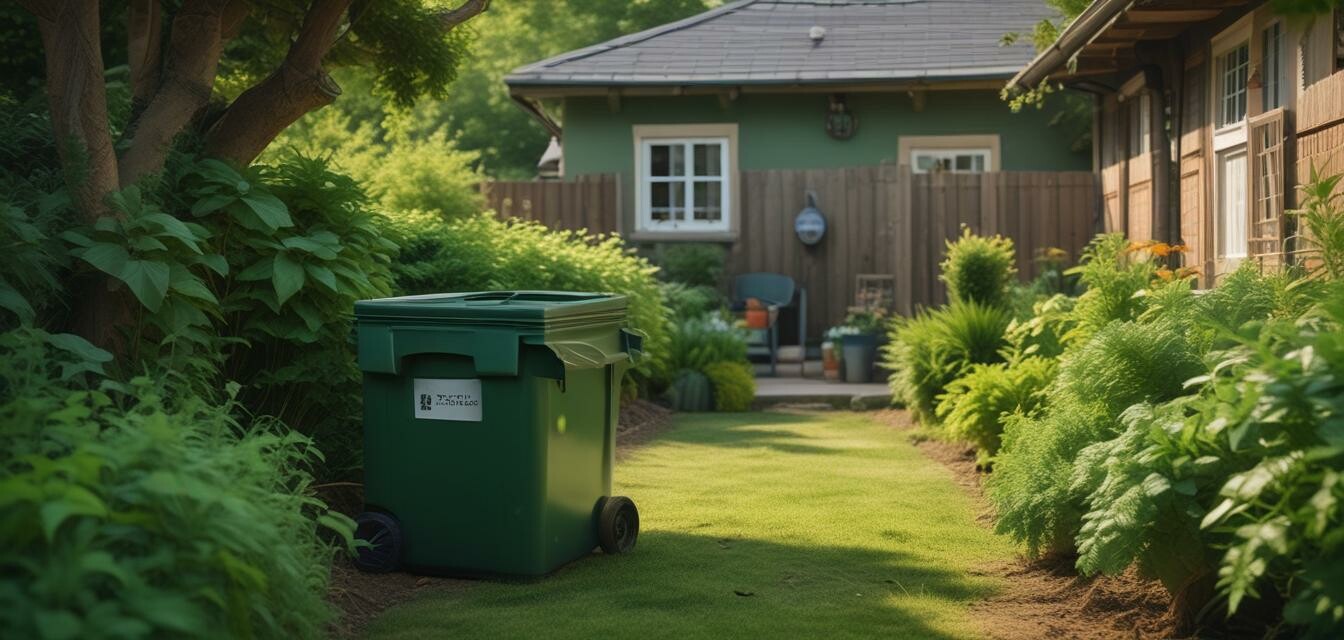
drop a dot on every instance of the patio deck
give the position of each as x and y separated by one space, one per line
789 388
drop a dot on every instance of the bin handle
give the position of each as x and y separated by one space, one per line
492 296
572 350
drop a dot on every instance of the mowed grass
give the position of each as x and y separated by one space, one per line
755 525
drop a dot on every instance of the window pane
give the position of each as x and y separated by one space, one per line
707 158
978 163
660 199
964 163
1232 204
658 160
1233 67
925 163
1271 68
708 201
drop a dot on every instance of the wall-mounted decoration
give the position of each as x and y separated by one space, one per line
840 122
810 225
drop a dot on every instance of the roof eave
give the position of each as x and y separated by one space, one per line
1085 28
523 84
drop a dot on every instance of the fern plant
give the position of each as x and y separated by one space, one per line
1113 275
975 404
928 351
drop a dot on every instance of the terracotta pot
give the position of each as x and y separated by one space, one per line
830 361
758 318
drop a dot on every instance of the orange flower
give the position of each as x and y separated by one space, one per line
1179 248
1187 272
1164 274
1160 249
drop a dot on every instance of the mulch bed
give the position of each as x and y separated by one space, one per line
1046 598
360 597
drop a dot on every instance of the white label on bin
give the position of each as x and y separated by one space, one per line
437 399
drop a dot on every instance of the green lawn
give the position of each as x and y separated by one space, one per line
755 525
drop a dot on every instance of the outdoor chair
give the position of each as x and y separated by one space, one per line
776 291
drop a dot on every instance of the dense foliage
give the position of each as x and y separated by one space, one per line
734 385
925 353
1194 434
133 510
693 264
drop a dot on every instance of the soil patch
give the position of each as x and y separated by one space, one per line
360 596
1047 598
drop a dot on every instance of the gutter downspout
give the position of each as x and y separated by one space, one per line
533 108
1075 36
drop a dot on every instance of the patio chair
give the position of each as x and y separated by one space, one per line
777 291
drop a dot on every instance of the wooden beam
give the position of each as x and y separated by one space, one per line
1157 15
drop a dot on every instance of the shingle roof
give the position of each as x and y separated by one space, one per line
766 42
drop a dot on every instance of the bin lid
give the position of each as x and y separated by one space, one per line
545 309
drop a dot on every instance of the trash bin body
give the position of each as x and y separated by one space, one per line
489 424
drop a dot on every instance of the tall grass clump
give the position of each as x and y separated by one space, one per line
928 351
979 269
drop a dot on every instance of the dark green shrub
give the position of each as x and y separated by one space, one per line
691 391
694 265
686 302
734 385
700 342
134 510
481 253
979 269
927 352
973 408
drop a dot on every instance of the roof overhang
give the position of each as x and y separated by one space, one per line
550 89
1102 39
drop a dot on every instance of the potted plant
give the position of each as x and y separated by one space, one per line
859 338
830 354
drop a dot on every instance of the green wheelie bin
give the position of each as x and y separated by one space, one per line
489 431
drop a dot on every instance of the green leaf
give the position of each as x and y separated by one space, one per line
148 243
287 276
173 228
308 245
106 257
14 302
269 209
147 280
322 275
215 262
71 343
57 625
187 284
259 270
212 203
74 501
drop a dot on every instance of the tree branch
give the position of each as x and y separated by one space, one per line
300 85
469 10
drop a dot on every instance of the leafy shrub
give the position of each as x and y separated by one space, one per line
698 343
695 265
734 385
928 351
1045 332
137 511
33 258
979 269
974 405
686 301
1322 220
481 253
1113 275
1123 364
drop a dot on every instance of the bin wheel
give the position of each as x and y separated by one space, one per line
618 525
383 534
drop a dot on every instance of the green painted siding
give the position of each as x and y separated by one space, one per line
787 131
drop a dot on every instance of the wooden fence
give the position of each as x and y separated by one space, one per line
588 202
881 220
885 220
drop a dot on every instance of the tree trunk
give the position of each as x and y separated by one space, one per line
194 48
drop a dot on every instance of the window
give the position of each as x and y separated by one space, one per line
684 184
1232 213
949 160
1272 67
1232 69
1140 114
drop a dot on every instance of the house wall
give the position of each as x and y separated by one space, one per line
787 131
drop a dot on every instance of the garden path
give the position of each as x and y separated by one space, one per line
767 524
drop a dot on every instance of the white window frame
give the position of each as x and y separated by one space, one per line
1229 138
646 136
986 155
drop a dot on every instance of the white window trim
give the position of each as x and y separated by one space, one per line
1231 138
724 135
985 153
907 146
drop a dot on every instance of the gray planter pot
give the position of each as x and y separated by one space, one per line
860 351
